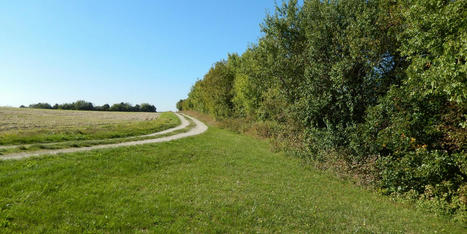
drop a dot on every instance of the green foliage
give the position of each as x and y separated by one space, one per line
250 81
104 107
214 93
41 105
123 106
284 42
435 43
84 105
180 104
421 169
381 83
352 63
146 107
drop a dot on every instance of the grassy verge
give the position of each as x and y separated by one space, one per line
283 138
79 133
215 182
87 143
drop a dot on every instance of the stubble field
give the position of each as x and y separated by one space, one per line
32 126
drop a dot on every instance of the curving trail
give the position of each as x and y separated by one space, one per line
198 129
184 124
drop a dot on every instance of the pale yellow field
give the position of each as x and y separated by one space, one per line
18 126
29 119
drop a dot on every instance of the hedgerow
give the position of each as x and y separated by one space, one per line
375 87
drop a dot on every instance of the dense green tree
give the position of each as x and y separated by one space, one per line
285 43
146 107
435 42
214 93
381 84
82 105
41 105
418 128
181 105
104 107
122 106
352 60
251 81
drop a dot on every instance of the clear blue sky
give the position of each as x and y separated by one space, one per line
112 51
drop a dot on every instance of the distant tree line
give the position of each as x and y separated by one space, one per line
84 105
376 88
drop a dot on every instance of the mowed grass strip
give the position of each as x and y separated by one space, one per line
29 126
215 182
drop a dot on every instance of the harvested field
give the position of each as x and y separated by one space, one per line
22 126
26 119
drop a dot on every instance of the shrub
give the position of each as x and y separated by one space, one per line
82 105
41 105
145 107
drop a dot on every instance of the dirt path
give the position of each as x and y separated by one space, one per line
184 124
198 129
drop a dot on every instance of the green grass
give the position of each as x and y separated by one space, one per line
215 182
37 126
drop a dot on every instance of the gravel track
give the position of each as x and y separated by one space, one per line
183 125
198 129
